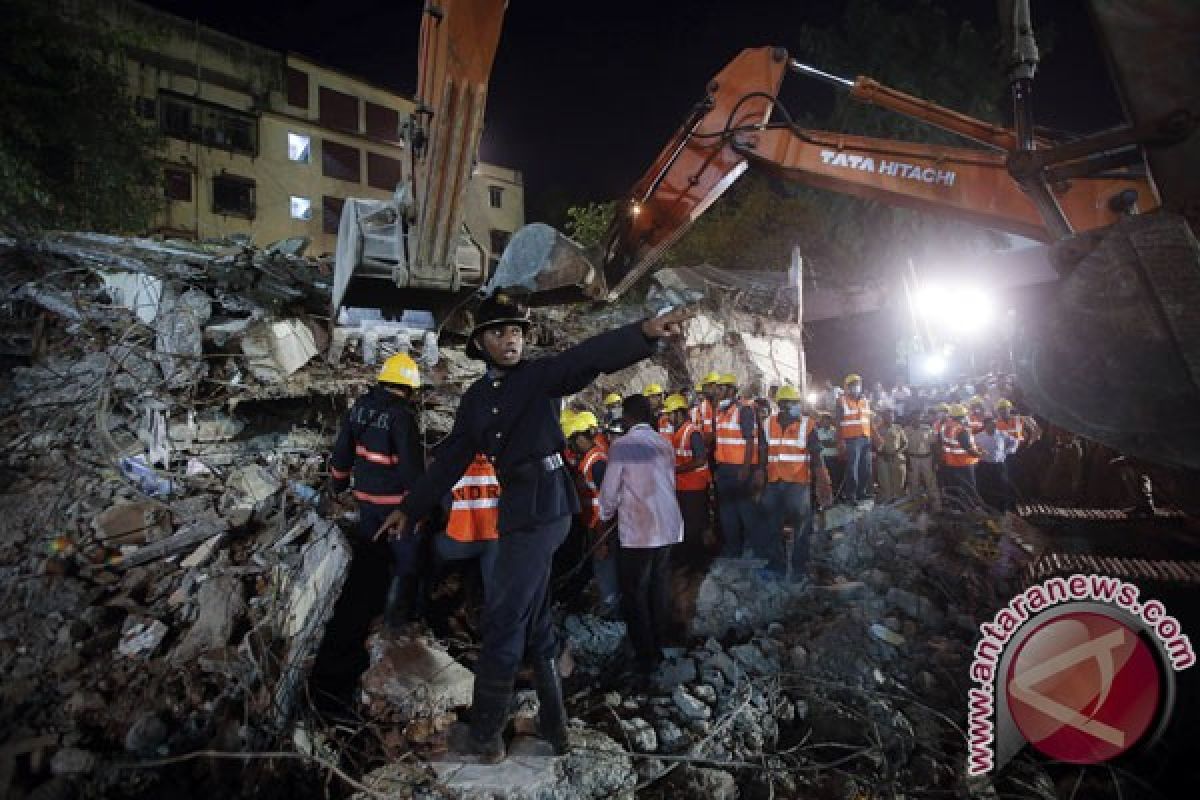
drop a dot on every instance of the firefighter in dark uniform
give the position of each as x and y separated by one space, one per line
511 415
379 446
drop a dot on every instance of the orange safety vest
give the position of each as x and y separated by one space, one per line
976 422
694 480
787 450
664 424
731 444
1013 427
703 418
953 454
589 492
475 504
856 418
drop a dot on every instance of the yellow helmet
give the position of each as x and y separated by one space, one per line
958 410
942 407
400 370
727 379
581 422
975 401
699 387
566 420
612 399
675 402
787 392
853 377
1003 402
652 388
711 377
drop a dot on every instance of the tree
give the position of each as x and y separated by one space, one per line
73 151
587 224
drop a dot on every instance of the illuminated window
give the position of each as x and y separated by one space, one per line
301 208
298 147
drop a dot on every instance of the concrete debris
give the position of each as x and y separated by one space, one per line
411 678
141 636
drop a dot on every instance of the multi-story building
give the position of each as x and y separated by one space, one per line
270 144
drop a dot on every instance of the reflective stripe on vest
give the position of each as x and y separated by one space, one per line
856 418
664 424
976 423
475 504
375 458
731 444
589 493
787 450
953 454
693 480
703 418
380 499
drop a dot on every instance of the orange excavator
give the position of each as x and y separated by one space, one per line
1118 362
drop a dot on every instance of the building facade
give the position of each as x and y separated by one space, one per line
269 145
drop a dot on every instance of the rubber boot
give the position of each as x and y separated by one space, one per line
482 742
396 607
552 714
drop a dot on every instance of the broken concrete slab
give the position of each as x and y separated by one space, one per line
220 604
131 523
412 677
141 636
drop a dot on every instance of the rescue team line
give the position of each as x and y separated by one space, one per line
997 634
895 169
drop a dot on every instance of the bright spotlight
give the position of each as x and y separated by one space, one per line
811 397
930 301
934 365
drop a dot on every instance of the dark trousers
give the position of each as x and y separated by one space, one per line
693 506
995 489
450 549
739 512
782 502
857 483
516 612
961 479
645 600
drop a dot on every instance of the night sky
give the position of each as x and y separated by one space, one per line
584 93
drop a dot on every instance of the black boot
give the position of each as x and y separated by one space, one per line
482 742
552 714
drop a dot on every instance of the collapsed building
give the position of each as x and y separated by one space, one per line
169 566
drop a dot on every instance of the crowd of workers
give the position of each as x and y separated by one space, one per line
649 483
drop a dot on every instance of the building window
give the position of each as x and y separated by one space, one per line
331 213
233 195
145 107
301 207
496 196
338 111
177 184
383 172
183 117
383 123
340 161
299 147
297 88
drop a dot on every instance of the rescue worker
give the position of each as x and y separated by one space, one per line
890 444
592 458
922 450
655 394
704 414
995 447
959 455
612 424
975 415
792 463
739 475
472 527
509 414
1009 423
692 479
854 440
379 446
827 433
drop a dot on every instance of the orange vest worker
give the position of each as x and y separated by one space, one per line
953 454
856 418
589 492
787 450
731 445
696 480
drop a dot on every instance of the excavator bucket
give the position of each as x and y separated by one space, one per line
1116 357
547 267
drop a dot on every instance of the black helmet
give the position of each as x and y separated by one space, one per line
500 308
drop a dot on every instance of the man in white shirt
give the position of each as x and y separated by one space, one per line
992 471
640 483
